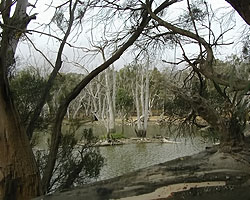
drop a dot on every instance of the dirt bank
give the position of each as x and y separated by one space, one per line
206 173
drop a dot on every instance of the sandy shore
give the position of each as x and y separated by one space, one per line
167 191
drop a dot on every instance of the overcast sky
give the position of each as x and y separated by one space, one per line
49 46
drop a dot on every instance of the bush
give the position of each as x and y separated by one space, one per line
76 164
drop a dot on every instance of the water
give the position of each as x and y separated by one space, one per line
123 159
127 158
129 131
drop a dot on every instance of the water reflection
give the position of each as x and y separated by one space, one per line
127 158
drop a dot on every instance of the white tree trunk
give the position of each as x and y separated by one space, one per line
98 93
114 89
110 98
142 100
137 105
146 108
111 115
78 106
142 92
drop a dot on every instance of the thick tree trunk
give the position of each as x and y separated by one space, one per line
141 133
19 175
228 128
242 7
234 137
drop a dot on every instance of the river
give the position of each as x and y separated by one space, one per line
122 159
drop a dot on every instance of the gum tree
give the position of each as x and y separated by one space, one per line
19 176
229 126
142 19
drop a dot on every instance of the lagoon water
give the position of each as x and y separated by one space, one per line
126 158
123 159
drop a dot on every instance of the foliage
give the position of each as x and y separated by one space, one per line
157 87
26 88
125 86
197 11
117 136
176 107
76 164
63 84
124 100
209 134
229 105
113 136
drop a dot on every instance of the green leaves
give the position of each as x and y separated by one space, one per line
124 100
26 88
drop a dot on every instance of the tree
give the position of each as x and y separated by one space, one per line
229 128
110 95
26 88
63 23
19 177
140 24
76 164
158 91
242 7
56 131
142 99
110 89
124 102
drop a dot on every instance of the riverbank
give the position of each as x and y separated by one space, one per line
133 140
220 173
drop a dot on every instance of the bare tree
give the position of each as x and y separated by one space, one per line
74 18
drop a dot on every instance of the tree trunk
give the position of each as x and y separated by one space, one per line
58 64
19 175
110 94
146 108
75 92
228 128
139 130
111 114
114 89
234 137
242 7
142 106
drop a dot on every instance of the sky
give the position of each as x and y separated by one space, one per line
29 56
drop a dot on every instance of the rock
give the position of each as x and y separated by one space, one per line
205 167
